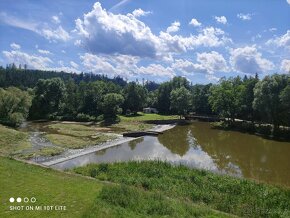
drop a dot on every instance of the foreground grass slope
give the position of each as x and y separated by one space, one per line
85 197
232 195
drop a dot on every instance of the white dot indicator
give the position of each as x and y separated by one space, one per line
11 200
18 200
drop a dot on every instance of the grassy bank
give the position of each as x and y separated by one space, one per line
74 136
232 195
12 142
70 135
146 117
266 130
85 197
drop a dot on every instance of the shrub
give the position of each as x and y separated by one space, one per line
84 118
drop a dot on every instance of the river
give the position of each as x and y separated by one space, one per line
200 146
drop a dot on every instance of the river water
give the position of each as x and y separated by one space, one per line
198 145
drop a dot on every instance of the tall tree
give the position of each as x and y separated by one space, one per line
49 98
225 98
111 105
14 106
135 96
180 100
163 97
285 101
267 99
200 95
247 111
91 96
71 101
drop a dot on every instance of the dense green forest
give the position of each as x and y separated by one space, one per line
35 94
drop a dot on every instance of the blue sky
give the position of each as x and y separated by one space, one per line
202 40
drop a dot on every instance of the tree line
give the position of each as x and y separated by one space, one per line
65 97
21 77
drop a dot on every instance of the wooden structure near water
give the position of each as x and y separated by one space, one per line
141 133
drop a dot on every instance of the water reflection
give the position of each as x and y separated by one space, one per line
176 141
198 145
148 149
134 143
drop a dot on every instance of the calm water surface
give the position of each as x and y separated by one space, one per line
198 145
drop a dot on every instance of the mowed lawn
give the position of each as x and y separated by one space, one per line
84 197
146 117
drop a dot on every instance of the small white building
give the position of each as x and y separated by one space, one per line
150 110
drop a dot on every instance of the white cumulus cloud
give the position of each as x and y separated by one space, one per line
32 61
123 65
248 60
188 67
102 32
221 19
108 33
41 51
156 70
282 41
15 46
55 34
208 63
194 22
74 64
244 16
139 13
55 19
212 62
285 66
174 27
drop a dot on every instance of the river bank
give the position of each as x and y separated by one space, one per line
265 130
236 196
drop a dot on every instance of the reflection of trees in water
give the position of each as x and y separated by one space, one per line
256 157
133 144
175 140
191 140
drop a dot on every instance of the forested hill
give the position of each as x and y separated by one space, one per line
27 78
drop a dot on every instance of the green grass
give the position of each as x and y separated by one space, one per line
12 142
146 117
74 135
73 129
85 197
138 122
125 126
228 194
72 142
129 201
43 152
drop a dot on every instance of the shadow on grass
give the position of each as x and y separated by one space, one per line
109 121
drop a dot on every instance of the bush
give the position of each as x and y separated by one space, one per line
13 120
14 106
93 172
84 118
